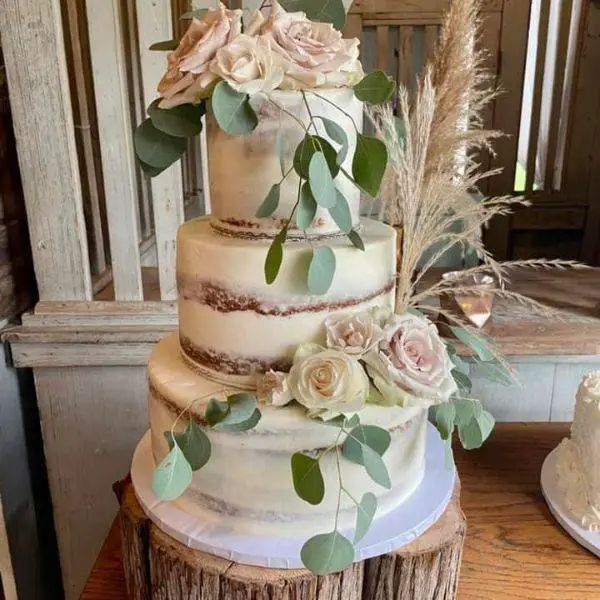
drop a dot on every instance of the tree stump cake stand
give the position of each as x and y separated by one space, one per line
159 568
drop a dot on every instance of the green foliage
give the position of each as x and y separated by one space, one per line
365 513
365 436
482 348
149 170
271 202
369 164
321 270
216 411
321 182
232 110
416 312
275 257
375 467
308 479
338 135
243 414
341 213
306 150
356 240
352 422
307 207
375 88
326 11
477 430
400 129
327 553
194 444
493 371
166 46
181 121
157 149
463 381
173 476
444 415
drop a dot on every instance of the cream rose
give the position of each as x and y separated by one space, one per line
249 65
272 388
353 334
189 78
328 382
316 54
412 360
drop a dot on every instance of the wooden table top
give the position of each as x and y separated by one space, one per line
514 548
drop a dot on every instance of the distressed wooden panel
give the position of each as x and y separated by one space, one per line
33 46
529 401
550 218
407 6
8 585
92 419
566 381
116 145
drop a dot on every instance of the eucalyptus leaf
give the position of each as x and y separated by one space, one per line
271 202
308 479
338 135
376 468
327 553
356 240
321 270
464 411
478 344
365 435
321 182
156 148
463 381
352 422
375 88
365 513
341 213
166 46
243 415
232 110
493 371
459 363
307 207
195 445
216 411
172 477
306 149
369 164
444 419
448 454
416 312
476 431
274 258
149 170
325 11
338 421
180 121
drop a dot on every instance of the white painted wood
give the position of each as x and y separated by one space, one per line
34 53
7 576
92 419
566 382
529 401
105 26
155 25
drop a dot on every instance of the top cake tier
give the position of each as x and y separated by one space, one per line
243 169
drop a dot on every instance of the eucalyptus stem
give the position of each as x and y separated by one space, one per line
341 483
310 115
287 112
189 407
336 106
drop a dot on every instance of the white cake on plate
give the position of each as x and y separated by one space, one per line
578 461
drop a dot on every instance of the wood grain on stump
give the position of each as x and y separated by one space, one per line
157 567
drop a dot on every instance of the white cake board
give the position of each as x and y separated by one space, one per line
555 499
398 528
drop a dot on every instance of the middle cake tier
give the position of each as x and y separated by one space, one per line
234 325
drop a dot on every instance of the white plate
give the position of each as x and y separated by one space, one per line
394 530
555 499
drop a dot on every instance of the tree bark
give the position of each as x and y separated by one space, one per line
159 568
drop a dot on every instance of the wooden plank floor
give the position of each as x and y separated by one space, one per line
514 549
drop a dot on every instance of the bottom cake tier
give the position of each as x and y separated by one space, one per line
248 480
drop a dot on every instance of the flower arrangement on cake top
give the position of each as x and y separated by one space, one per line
373 357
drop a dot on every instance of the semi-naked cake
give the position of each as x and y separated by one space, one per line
578 461
286 295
